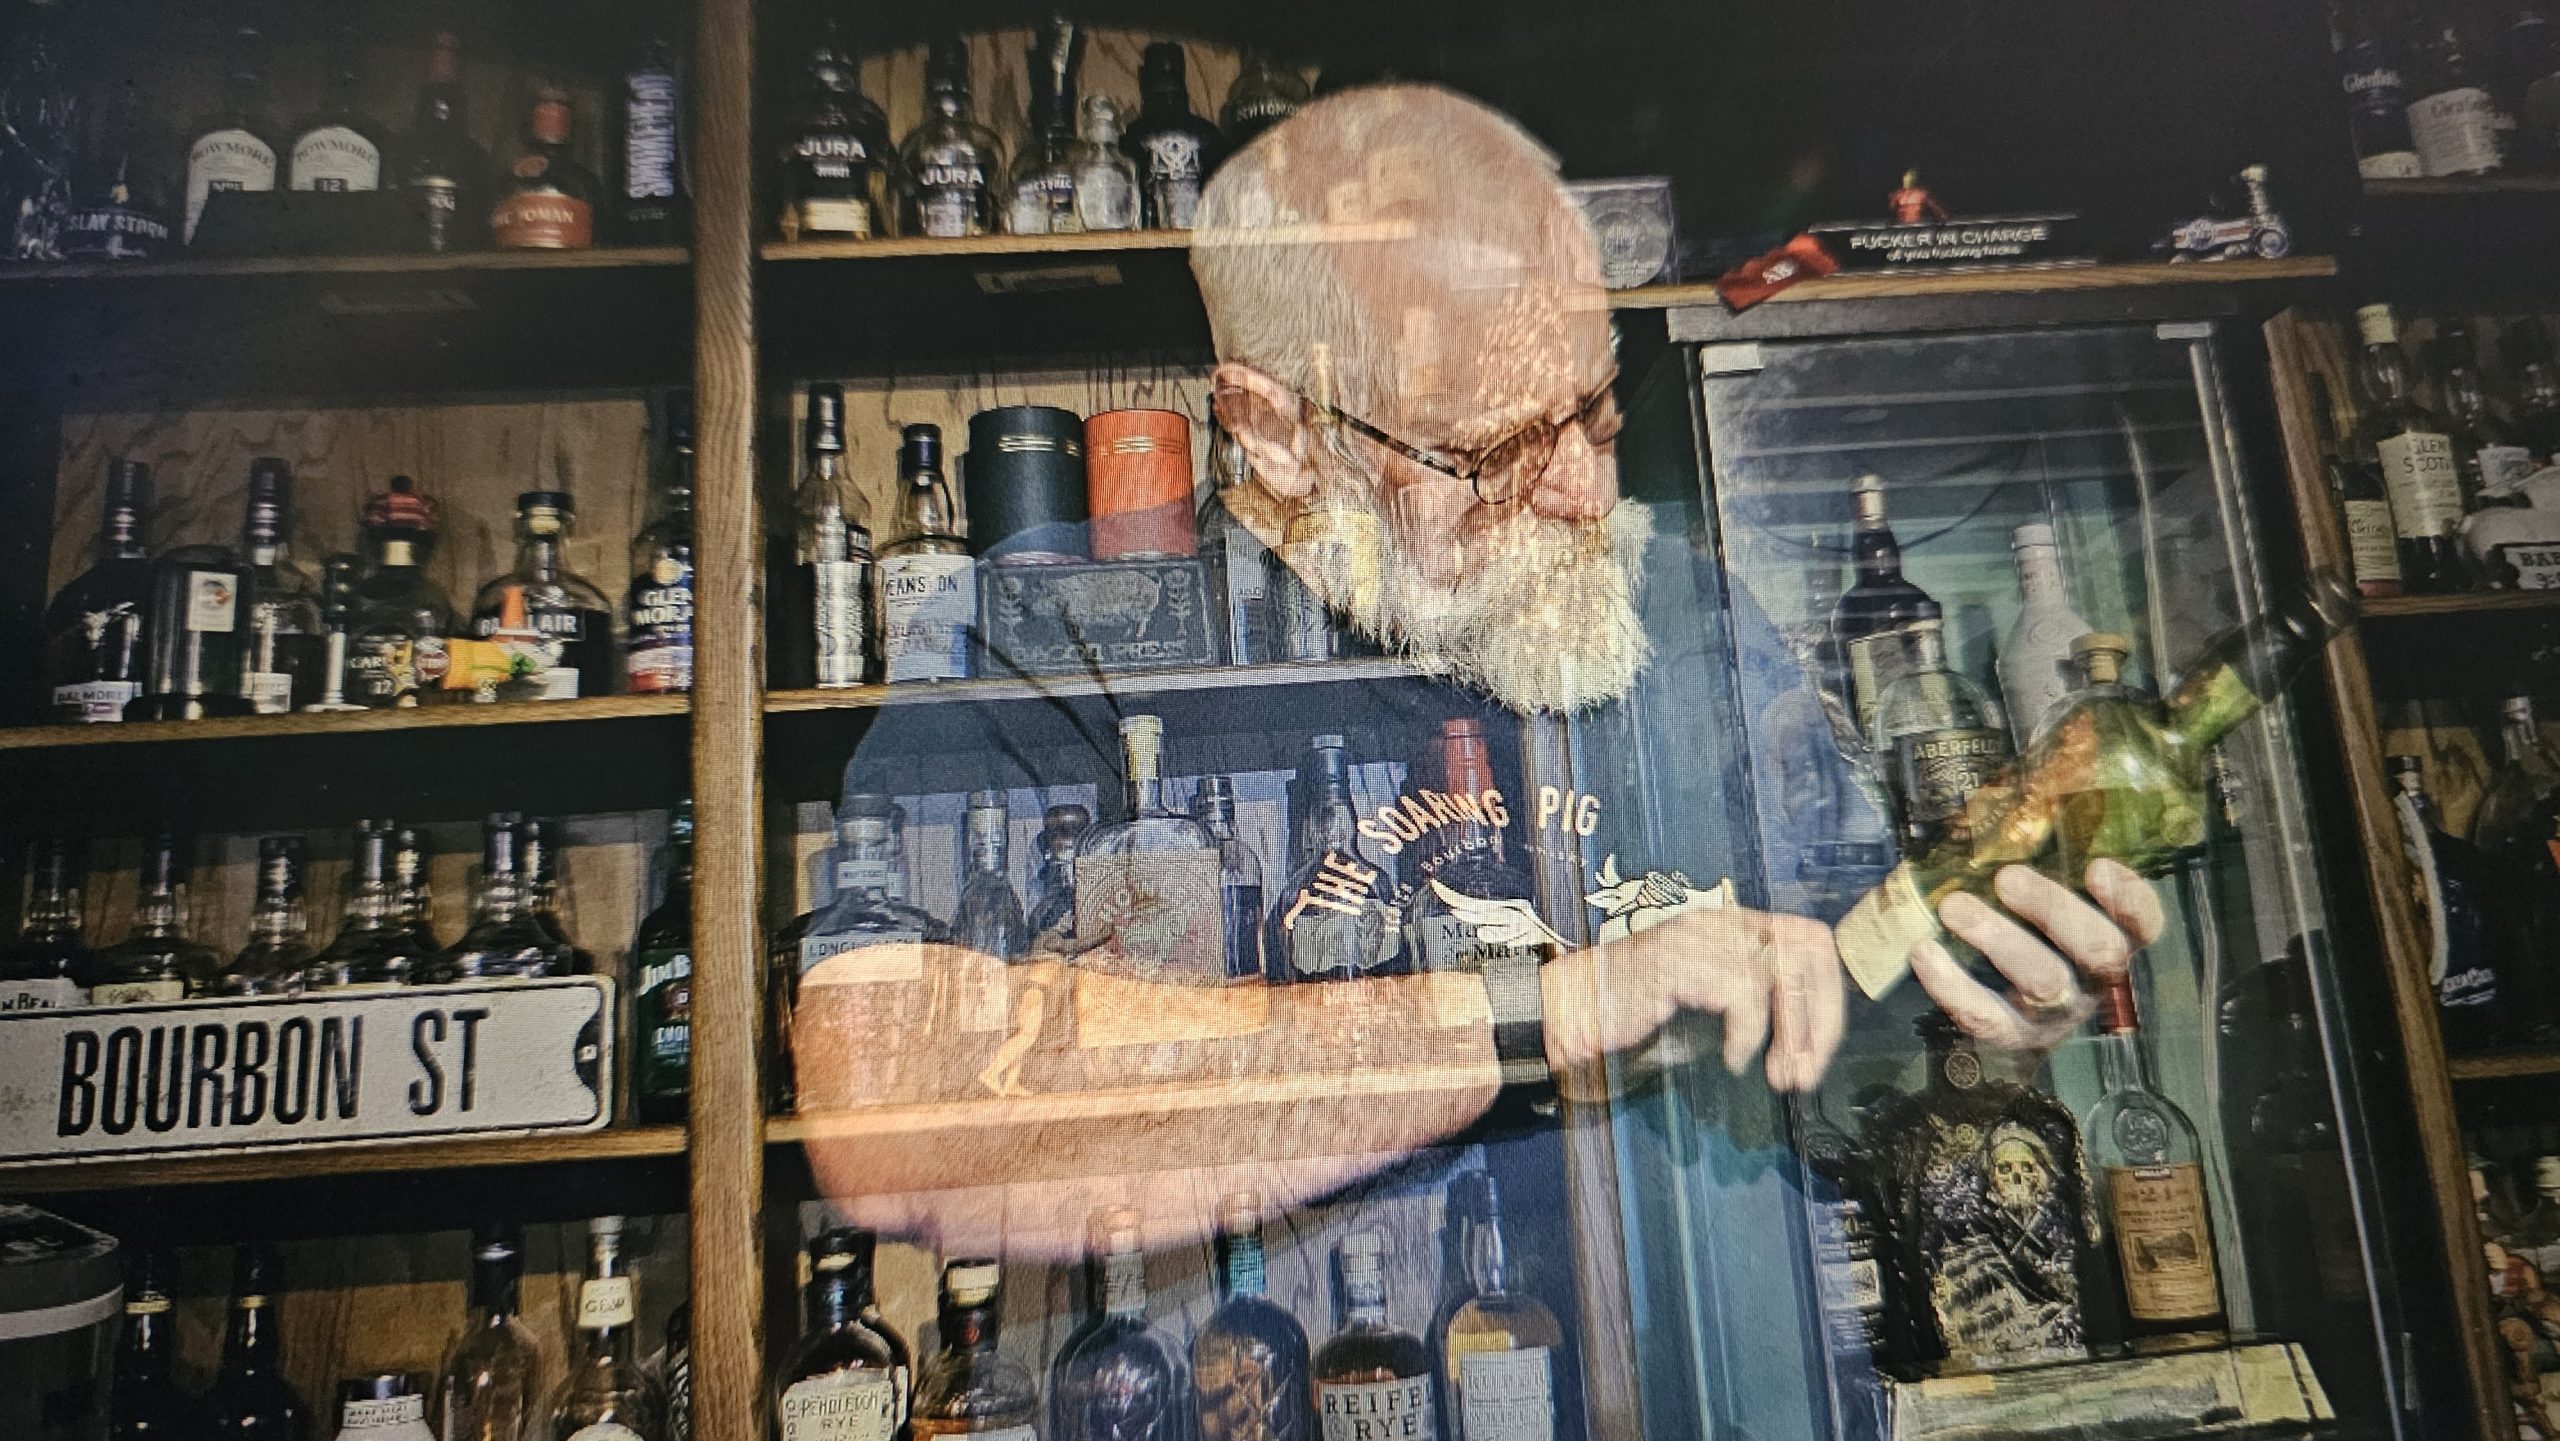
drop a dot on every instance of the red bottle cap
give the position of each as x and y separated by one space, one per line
551 117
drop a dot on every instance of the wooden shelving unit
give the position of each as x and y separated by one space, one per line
2442 186
2504 1065
340 723
2496 602
611 1144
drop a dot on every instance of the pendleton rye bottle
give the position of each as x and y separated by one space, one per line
843 1380
1250 1369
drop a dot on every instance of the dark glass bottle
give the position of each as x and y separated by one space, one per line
1051 916
1250 1368
1870 626
505 939
2528 354
373 947
2371 59
146 1402
1116 1378
1213 805
2453 120
2481 993
543 848
2295 1195
119 196
340 577
1174 149
838 163
2492 464
2149 1168
547 200
251 1399
818 564
951 164
1866 1301
235 147
156 961
967 1389
94 627
1332 920
1372 1376
400 620
412 867
338 148
1465 857
657 656
45 966
843 1377
555 625
652 208
279 947
199 632
2373 547
1264 94
40 104
677 1372
2409 443
281 672
662 986
443 170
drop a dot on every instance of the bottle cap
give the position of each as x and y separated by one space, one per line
2376 325
401 507
2517 708
1240 1212
946 65
444 59
986 800
2032 534
2546 1173
920 449
1363 1248
1163 67
534 504
381 1386
825 423
1142 736
1213 788
970 1283
841 1248
499 1240
1065 818
600 1227
128 483
279 851
868 805
1118 1230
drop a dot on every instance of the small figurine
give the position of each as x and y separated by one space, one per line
2261 234
1912 205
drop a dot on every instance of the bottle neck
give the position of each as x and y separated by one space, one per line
836 1298
2386 374
1487 1266
538 554
2250 665
120 534
150 1338
1124 1283
985 842
155 911
2463 394
2523 738
1364 1294
497 1284
253 1343
277 916
53 909
2119 1041
1334 823
1241 1269
2039 575
969 1328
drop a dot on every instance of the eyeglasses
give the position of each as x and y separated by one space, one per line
1505 470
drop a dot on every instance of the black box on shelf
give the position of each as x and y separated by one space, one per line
1103 615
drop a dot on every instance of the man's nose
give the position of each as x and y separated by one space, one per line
1580 483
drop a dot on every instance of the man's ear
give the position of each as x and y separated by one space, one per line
1267 420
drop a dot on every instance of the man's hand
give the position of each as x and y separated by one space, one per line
2079 939
1772 978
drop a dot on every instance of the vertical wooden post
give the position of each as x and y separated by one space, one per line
728 744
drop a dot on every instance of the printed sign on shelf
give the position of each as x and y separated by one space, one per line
416 1062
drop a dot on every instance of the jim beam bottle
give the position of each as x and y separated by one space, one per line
2150 1168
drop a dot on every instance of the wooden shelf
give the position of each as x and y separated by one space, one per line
974 246
1897 285
359 722
1125 684
2502 1065
475 262
2423 187
612 1144
2478 603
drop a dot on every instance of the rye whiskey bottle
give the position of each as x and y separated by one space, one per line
1250 1370
1372 1378
841 1381
547 200
1502 1352
45 966
1116 1378
94 654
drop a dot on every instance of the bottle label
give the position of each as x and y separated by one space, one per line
1173 177
2425 486
605 1431
394 1416
2503 468
1106 198
110 231
270 692
2372 547
2537 567
382 670
843 621
2164 1241
1852 1278
2456 131
1450 944
543 220
948 195
1159 912
927 610
136 993
607 1303
1507 1395
844 215
56 994
841 1406
1940 770
2390 165
226 160
1875 662
90 702
866 875
898 956
213 602
649 135
679 1395
1397 1410
659 658
336 158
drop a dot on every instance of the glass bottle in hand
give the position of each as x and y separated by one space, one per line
555 625
94 654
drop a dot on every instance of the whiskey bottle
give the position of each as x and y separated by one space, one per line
145 1402
251 1399
988 919
281 673
340 575
396 632
234 148
2121 778
374 947
554 622
1213 805
94 641
676 1372
1264 94
652 207
46 965
658 616
2479 1000
505 940
1372 1378
1332 919
2035 657
338 148
2150 1171
384 1406
1501 1351
1173 149
198 637
861 914
119 207
1051 919
547 200
839 1381
1940 739
967 1389
412 867
951 163
2373 546
1116 1377
607 1395
2415 455
1148 885
662 987
1041 190
1869 627
2513 829
928 595
1106 178
543 844
1239 564
838 159
279 948
1858 1269
2491 463
1466 858
2370 57
491 1382
2528 354
2452 118
1250 1370
156 961
40 103
443 170
821 570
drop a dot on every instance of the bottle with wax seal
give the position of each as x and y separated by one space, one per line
1026 485
548 199
1138 484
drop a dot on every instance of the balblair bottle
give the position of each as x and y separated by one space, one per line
842 1378
951 161
94 656
556 625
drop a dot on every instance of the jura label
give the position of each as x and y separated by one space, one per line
134 993
2164 1241
1377 1410
2425 486
213 602
649 135
1506 1395
843 621
2456 131
607 1303
225 160
41 995
927 609
334 157
96 700
2373 549
841 1406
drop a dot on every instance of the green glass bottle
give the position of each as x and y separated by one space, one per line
662 987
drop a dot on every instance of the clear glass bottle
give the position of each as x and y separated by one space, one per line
156 961
94 652
989 918
40 105
46 965
412 879
967 1389
234 148
282 670
547 198
657 657
1116 1377
396 653
374 947
821 575
443 170
1371 1374
2480 993
119 201
1502 1353
1332 920
1147 885
2519 805
840 1379
1239 564
556 627
1264 94
1041 188
2453 119
2150 1175
1870 625
251 1400
1213 805
1051 919
338 148
662 987
1465 856
491 1382
506 939
1106 178
928 590
2528 355
146 1402
837 159
607 1395
1940 738
544 851
279 948
2035 657
1250 1368
2416 457
2493 465
862 913
952 163
1173 149
652 207
385 1406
